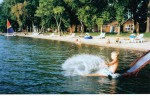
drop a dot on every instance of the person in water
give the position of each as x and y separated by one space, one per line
77 41
112 67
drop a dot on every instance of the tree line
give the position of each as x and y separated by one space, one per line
64 14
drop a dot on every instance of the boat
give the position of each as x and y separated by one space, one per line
10 31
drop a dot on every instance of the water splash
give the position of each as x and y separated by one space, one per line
83 64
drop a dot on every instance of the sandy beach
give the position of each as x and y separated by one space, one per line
145 46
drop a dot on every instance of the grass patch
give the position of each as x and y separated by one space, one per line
147 35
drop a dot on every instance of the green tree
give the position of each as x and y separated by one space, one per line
85 16
138 9
6 13
119 16
20 12
105 16
51 8
99 22
57 14
80 14
63 13
87 10
32 20
2 22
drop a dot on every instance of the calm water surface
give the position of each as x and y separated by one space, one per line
33 66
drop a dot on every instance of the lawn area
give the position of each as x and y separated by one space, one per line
147 35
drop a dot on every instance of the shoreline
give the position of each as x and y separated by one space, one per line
97 42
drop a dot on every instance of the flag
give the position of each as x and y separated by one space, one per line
9 28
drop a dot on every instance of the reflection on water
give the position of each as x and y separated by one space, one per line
33 66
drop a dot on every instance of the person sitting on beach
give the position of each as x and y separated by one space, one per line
117 40
112 67
108 41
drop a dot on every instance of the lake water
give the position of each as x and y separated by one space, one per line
34 66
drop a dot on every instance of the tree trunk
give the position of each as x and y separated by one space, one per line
131 31
82 28
118 30
101 28
30 28
97 28
42 29
27 29
148 18
58 29
137 27
34 28
148 24
58 25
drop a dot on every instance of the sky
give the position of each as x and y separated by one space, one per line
1 1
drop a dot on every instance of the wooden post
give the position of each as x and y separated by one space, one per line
137 27
148 18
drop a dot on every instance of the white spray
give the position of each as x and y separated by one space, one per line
83 64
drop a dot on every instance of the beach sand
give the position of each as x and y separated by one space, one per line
145 46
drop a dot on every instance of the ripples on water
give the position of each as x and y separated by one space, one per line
33 66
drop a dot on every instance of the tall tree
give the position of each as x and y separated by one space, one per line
2 22
20 12
6 12
77 10
86 16
53 8
138 13
119 16
69 12
99 22
32 20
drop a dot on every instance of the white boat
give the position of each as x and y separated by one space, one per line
10 34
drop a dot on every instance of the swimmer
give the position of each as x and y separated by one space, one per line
77 41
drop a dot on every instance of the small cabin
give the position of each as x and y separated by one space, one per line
128 25
111 27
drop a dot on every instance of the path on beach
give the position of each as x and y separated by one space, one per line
145 46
